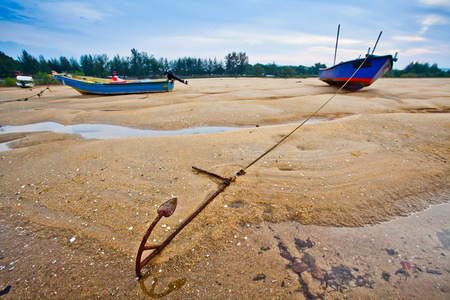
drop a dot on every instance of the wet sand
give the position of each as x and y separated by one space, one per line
73 211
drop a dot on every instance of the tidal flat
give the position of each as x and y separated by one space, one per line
353 206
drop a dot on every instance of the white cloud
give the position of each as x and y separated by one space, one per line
34 36
24 34
73 15
431 20
418 51
409 38
255 37
435 3
60 14
305 58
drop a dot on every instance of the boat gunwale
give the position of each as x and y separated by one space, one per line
357 60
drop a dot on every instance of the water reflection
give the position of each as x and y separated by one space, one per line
104 131
173 286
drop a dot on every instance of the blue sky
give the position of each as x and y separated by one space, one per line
287 32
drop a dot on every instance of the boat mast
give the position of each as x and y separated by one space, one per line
376 42
335 49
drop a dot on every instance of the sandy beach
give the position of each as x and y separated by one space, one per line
353 205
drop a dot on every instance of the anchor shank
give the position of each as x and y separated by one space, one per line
193 215
211 174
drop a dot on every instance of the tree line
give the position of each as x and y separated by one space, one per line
138 65
142 65
416 69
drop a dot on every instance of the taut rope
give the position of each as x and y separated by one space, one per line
242 171
167 208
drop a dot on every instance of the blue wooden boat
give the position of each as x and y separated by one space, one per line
116 86
373 68
370 69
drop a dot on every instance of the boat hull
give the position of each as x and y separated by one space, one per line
116 88
372 69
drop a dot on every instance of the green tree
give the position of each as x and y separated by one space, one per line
152 66
231 62
314 70
28 64
100 65
9 81
243 64
7 65
218 67
65 64
288 72
74 65
258 70
87 64
44 78
200 67
302 70
43 65
236 63
137 59
272 69
164 63
120 65
416 69
54 65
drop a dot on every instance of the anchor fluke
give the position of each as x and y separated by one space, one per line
167 208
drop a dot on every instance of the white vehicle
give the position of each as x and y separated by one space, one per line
24 81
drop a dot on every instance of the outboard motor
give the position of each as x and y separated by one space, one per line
171 76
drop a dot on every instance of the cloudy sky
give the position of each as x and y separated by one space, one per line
287 32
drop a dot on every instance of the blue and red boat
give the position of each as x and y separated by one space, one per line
358 73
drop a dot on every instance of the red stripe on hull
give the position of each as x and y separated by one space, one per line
364 81
353 85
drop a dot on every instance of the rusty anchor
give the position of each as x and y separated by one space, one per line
166 210
169 206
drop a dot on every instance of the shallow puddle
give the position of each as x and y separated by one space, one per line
104 131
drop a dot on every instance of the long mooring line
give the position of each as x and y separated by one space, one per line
168 207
